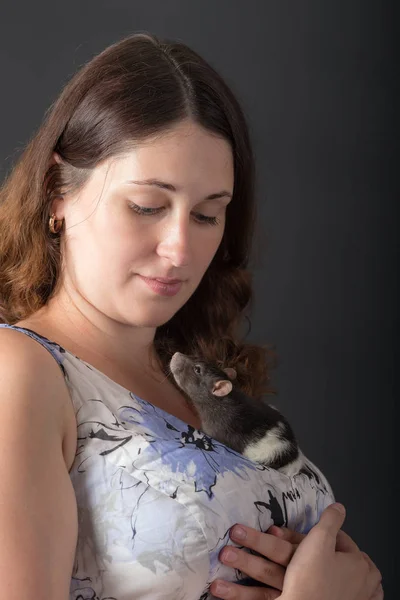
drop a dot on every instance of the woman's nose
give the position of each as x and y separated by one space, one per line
174 242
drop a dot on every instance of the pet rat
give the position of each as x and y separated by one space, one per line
251 427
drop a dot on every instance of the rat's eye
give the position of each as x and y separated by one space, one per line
197 369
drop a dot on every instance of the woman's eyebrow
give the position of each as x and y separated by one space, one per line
172 188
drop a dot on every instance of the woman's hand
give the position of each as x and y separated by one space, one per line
328 566
269 572
327 550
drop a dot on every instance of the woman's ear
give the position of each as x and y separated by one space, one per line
55 158
57 205
57 208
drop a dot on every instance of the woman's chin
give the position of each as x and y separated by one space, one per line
151 318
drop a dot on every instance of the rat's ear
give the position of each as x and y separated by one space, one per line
230 372
222 387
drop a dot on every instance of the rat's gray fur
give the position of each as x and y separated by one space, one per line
248 426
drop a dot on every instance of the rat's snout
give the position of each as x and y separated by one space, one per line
178 365
177 362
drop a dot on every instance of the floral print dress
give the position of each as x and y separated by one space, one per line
156 498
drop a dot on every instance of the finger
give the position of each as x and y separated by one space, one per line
344 543
256 567
323 535
233 591
294 537
277 550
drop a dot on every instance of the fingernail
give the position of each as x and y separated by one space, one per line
229 555
339 507
238 533
221 588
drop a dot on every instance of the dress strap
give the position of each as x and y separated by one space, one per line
55 349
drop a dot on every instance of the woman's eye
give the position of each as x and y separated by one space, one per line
142 210
206 220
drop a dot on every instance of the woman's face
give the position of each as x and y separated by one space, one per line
122 236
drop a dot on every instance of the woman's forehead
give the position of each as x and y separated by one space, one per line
150 169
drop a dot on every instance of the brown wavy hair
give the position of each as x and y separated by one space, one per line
134 89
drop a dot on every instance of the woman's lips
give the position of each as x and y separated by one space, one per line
163 287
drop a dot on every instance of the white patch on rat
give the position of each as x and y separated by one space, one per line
270 446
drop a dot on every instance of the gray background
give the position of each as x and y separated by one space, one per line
316 80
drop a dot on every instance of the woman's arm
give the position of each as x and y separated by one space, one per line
38 513
323 565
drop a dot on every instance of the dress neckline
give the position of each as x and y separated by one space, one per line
164 414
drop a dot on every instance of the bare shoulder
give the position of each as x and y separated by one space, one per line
26 361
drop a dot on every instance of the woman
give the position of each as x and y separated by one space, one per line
125 234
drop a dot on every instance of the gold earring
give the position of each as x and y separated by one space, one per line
54 224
